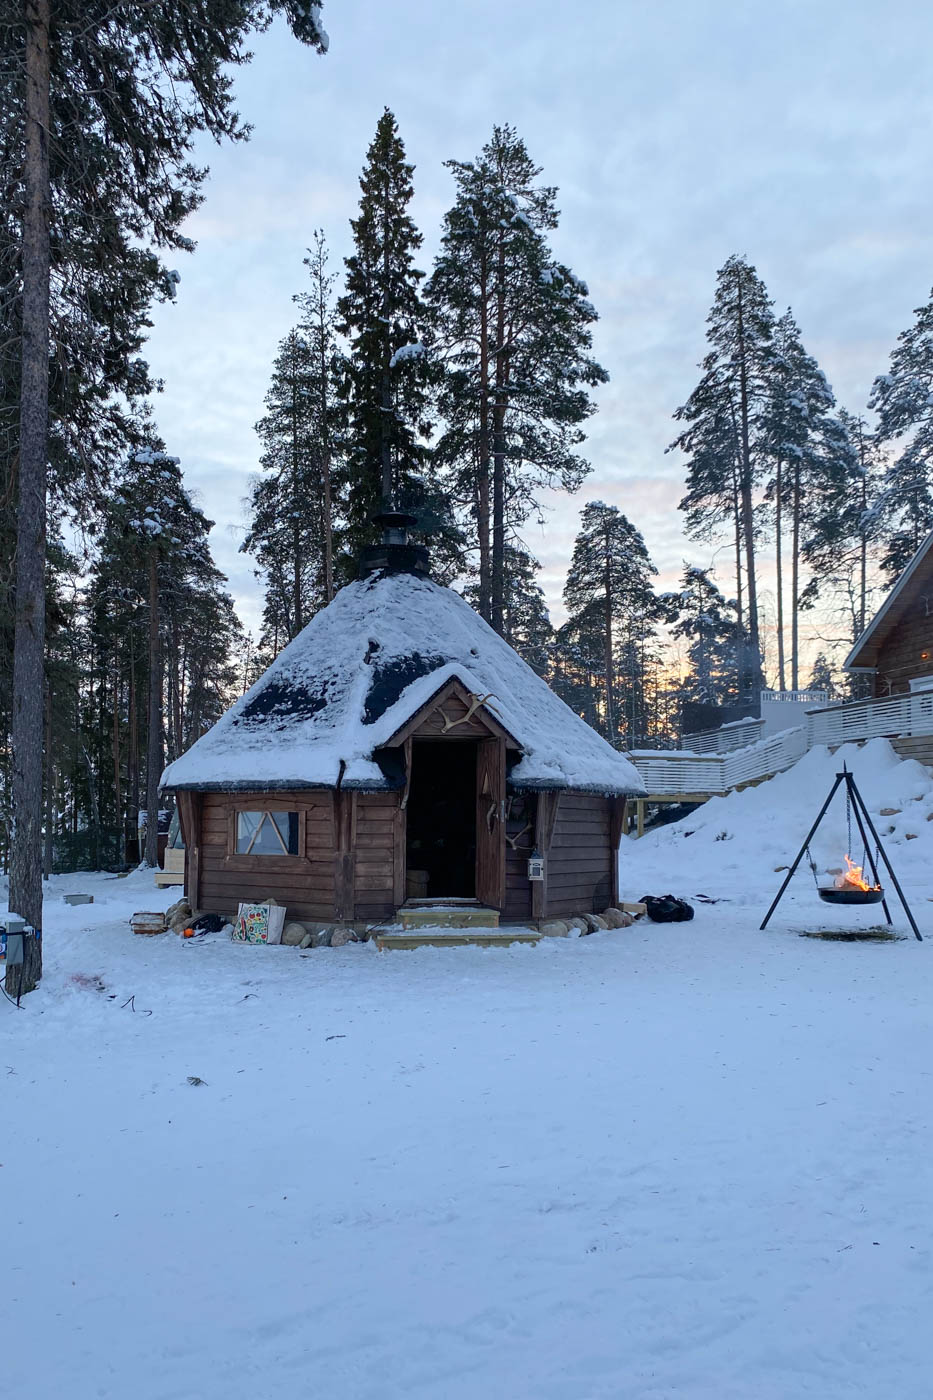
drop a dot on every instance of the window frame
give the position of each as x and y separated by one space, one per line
235 860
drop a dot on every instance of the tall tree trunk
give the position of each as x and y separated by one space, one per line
795 582
297 611
863 542
296 578
48 853
748 522
132 749
498 454
741 639
482 485
154 738
385 445
608 658
29 627
327 494
779 488
115 751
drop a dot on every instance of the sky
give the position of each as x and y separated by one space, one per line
678 132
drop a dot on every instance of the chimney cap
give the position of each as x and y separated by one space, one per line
392 519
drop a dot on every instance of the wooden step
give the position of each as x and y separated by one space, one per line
438 938
447 913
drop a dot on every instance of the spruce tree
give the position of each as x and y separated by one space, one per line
609 593
903 400
724 437
513 324
707 621
386 371
822 677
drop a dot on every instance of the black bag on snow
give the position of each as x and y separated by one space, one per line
666 909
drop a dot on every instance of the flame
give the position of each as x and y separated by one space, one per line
852 878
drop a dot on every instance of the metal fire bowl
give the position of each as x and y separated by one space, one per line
852 896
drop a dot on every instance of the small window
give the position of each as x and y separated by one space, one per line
267 833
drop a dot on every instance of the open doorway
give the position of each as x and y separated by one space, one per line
441 821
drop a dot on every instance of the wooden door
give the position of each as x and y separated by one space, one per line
490 822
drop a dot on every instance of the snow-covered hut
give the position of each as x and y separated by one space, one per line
399 748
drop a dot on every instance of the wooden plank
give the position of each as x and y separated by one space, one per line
237 889
381 842
193 857
490 822
544 826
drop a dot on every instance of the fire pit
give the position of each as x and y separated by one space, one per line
851 887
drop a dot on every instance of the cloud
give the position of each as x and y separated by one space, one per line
678 133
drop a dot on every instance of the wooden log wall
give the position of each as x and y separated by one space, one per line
305 883
350 867
521 812
379 849
901 656
579 862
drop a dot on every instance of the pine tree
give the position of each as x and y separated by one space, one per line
724 439
156 538
527 623
609 593
513 323
707 621
903 400
319 325
292 505
845 519
808 454
386 372
102 104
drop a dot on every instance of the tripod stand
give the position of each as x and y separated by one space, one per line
854 803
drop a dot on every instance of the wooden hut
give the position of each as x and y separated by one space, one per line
398 749
896 648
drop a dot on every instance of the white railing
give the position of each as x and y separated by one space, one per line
899 716
727 737
668 772
764 759
796 697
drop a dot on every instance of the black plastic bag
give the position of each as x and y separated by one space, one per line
208 923
667 909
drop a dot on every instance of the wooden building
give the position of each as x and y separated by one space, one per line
398 748
896 648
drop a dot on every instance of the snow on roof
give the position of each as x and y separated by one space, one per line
359 671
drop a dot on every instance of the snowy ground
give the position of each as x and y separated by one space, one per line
669 1161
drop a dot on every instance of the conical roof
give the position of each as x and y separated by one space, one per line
360 670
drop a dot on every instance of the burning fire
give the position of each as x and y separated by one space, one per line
852 878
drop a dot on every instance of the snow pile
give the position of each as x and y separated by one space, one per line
732 847
360 669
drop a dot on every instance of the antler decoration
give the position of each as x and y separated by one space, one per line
477 700
514 840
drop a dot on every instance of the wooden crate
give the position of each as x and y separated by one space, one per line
147 922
